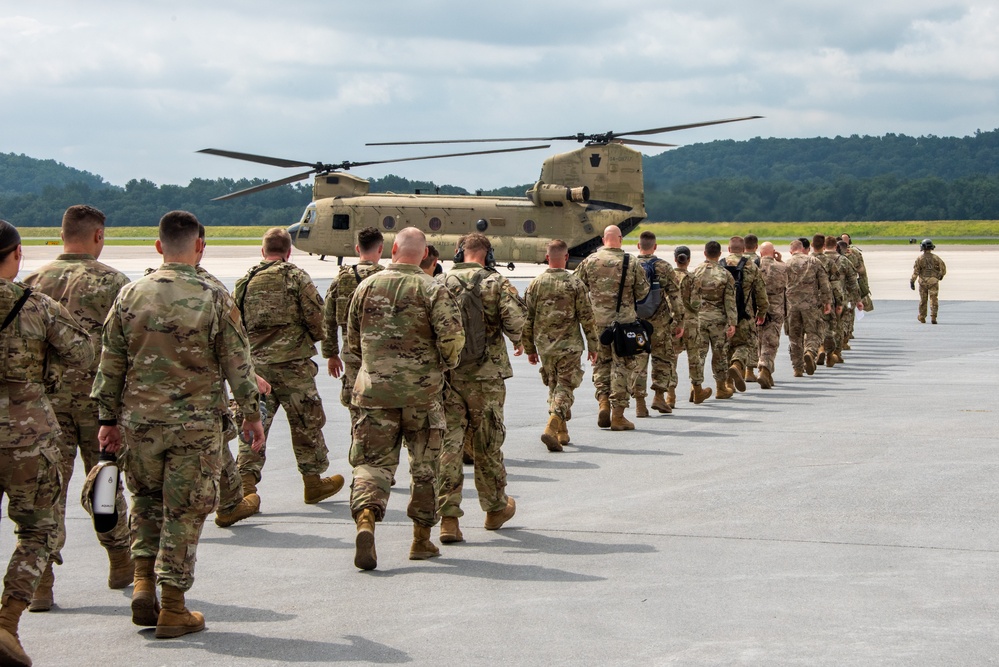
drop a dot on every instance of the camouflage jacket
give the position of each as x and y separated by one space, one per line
43 331
753 286
282 312
807 282
170 341
601 273
671 309
712 294
857 259
835 275
405 329
685 284
336 307
929 267
87 288
775 279
851 285
505 313
557 306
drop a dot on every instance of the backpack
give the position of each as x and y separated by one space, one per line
468 296
738 272
648 306
344 291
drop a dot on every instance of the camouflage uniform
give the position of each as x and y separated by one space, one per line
42 335
775 279
712 295
335 310
691 339
666 318
754 336
87 289
857 261
930 270
405 329
851 290
837 282
807 293
283 315
476 394
557 307
170 341
742 346
613 376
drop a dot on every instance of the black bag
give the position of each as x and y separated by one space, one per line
628 338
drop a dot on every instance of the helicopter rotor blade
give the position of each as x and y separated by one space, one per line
458 141
267 186
348 165
642 142
261 159
674 128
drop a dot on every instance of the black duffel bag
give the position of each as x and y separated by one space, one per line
628 338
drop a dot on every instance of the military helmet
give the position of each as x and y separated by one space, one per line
927 244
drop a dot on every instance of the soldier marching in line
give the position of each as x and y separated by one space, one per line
712 295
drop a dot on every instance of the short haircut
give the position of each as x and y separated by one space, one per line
737 244
9 239
842 246
432 256
369 239
277 241
805 243
177 230
819 241
201 231
477 243
712 250
81 221
646 240
830 242
848 239
752 242
796 245
558 247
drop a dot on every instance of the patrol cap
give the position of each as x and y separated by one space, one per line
681 250
103 523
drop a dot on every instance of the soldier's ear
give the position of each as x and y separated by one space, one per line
159 247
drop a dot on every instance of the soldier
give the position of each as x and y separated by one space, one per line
667 325
369 248
34 330
557 307
87 288
613 375
170 340
808 297
775 278
476 392
752 245
405 330
283 315
430 264
854 302
829 320
690 341
930 270
712 295
856 258
838 268
753 304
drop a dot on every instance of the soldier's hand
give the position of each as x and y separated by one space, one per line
859 305
592 356
760 320
912 284
335 366
827 309
263 386
839 310
729 331
254 430
678 333
109 438
518 350
533 358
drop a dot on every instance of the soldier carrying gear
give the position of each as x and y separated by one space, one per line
930 270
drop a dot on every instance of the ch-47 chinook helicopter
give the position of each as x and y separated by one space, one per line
578 194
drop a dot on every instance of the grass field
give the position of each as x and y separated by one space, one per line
942 231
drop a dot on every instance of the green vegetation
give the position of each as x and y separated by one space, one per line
960 231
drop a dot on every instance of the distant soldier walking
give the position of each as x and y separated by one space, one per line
930 270
808 297
775 278
751 304
690 341
713 297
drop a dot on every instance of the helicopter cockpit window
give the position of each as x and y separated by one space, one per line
530 227
435 224
388 222
341 221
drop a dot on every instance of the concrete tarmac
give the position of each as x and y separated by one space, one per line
844 518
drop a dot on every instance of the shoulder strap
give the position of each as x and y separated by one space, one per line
620 288
742 263
249 276
16 309
357 276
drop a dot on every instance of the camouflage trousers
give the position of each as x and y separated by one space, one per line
614 376
803 326
475 408
293 387
562 374
743 346
822 325
79 431
347 379
753 361
691 343
172 471
230 483
29 477
712 335
374 453
833 339
929 291
663 361
847 320
768 335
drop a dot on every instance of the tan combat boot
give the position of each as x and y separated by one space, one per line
921 318
246 508
766 378
830 359
42 599
175 620
563 435
809 363
698 394
249 484
660 404
145 606
671 399
365 557
450 532
496 519
317 489
750 376
798 373
603 415
550 436
933 319
121 570
422 548
11 651
736 376
725 390
821 359
618 421
641 410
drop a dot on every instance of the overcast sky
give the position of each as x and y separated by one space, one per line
132 90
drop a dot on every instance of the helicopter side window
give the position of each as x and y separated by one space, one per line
341 221
435 224
388 222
